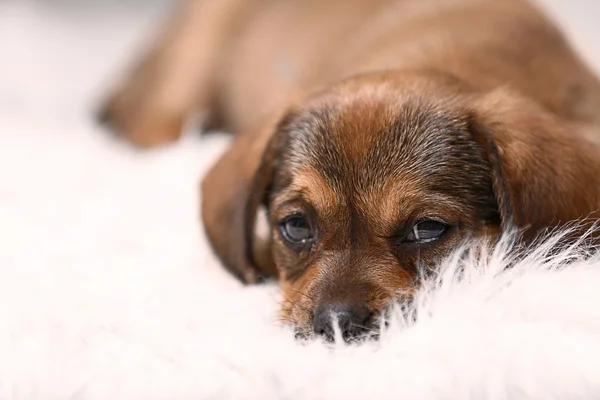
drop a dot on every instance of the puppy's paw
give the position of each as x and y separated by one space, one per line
135 115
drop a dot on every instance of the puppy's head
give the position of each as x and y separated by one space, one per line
372 182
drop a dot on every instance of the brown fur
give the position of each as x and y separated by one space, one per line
368 116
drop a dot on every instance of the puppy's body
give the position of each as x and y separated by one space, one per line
360 120
299 45
237 60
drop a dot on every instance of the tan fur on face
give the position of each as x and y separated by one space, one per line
400 198
311 186
385 282
297 303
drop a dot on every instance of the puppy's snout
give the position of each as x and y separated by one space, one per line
352 319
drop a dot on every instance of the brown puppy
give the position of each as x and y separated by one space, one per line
378 134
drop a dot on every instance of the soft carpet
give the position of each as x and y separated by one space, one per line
108 289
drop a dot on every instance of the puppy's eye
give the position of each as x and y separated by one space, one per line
296 229
426 231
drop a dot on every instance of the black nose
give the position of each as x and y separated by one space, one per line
352 320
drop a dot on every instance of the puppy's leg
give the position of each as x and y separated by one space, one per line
177 76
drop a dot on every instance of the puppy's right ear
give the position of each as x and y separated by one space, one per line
232 192
544 172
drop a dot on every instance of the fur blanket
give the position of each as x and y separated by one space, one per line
108 289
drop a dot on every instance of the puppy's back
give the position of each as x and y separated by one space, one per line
298 45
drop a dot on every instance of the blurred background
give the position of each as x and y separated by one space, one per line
58 54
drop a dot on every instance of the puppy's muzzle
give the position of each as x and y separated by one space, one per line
353 320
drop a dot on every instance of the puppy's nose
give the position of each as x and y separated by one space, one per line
351 318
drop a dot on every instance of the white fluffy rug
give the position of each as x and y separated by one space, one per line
108 289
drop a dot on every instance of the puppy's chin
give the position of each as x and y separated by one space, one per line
305 335
398 310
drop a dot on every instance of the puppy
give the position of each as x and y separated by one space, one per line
378 134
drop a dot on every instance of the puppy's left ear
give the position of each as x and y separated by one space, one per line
544 172
233 191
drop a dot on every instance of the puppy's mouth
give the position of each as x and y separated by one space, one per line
366 335
345 327
340 330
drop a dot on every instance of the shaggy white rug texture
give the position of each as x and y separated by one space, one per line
108 289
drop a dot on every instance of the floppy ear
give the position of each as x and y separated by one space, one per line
232 192
544 172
